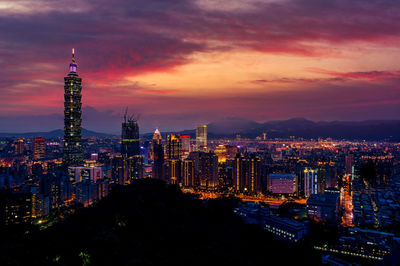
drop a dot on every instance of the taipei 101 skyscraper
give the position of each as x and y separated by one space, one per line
72 117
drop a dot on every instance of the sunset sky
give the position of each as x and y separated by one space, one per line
178 63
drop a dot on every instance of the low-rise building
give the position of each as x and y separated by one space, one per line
286 229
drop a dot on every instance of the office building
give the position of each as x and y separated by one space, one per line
72 117
130 137
201 138
158 156
185 146
174 147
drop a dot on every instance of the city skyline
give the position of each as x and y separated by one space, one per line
322 61
193 132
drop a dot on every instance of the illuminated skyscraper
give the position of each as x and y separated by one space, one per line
130 137
185 146
174 147
38 148
72 117
201 138
157 140
158 155
172 165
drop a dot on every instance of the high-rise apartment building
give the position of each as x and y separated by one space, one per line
19 147
38 148
310 181
208 170
201 137
188 173
173 171
72 116
247 174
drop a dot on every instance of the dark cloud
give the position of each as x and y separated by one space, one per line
116 38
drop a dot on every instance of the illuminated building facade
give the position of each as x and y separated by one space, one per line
79 174
208 170
38 148
174 147
282 184
157 139
173 171
310 181
201 138
130 137
188 169
220 151
72 117
247 174
185 146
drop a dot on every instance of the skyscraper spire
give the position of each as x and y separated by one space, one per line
73 55
73 66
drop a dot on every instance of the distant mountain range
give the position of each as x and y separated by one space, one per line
379 130
53 134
